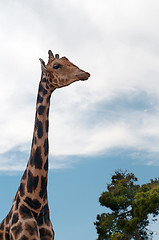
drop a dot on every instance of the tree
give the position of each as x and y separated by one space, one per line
131 205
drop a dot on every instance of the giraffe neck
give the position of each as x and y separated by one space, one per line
34 181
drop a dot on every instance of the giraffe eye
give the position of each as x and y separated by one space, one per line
56 66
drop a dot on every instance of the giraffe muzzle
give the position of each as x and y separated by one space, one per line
83 75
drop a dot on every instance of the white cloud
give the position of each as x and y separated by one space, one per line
117 42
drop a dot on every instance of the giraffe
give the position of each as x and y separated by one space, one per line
29 217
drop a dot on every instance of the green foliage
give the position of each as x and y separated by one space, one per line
130 206
117 236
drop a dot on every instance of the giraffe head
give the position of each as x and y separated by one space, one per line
61 72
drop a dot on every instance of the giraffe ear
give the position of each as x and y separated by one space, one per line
43 67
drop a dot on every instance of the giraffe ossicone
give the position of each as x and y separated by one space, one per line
29 217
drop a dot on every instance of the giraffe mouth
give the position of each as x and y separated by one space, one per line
83 76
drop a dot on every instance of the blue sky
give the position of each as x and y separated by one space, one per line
109 122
